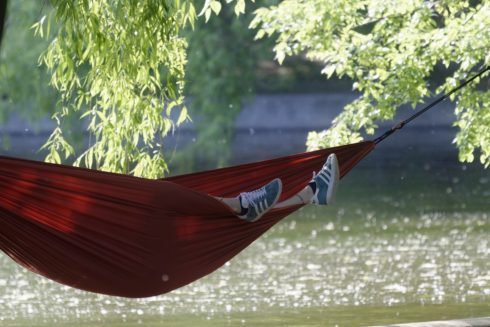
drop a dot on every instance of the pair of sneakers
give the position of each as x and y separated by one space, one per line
324 183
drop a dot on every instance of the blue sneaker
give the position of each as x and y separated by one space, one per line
260 201
326 181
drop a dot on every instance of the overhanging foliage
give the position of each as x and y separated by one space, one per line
389 49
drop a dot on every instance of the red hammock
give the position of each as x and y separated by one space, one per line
134 237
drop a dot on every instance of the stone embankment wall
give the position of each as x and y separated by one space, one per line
275 125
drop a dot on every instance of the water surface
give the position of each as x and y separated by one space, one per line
405 242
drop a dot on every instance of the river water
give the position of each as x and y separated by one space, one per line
407 240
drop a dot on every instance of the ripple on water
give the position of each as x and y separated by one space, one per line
430 259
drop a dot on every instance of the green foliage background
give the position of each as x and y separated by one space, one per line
390 49
23 83
221 75
121 70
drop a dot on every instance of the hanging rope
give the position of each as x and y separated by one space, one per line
401 124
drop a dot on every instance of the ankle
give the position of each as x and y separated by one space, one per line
312 185
243 210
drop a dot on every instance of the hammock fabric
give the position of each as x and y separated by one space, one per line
134 237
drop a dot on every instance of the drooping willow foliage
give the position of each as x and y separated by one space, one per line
119 66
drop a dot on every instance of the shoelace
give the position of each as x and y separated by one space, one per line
255 196
324 173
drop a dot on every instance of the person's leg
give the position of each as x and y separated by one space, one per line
250 206
233 203
302 197
321 189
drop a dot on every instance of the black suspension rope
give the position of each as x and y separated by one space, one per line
401 124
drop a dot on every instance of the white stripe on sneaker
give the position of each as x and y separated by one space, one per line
323 179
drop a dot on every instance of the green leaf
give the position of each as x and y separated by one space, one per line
207 14
240 7
216 7
183 116
206 6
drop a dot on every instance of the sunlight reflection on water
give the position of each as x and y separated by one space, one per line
433 258
393 242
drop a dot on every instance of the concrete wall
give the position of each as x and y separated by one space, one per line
275 125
